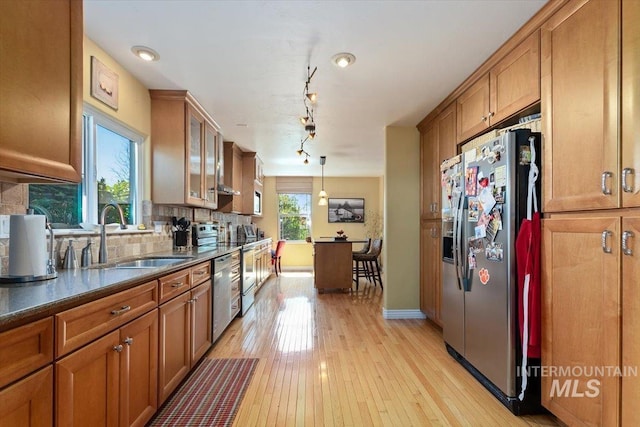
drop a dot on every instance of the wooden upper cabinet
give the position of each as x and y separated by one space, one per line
41 108
233 176
515 81
581 317
510 86
447 132
428 168
184 154
630 174
580 102
473 109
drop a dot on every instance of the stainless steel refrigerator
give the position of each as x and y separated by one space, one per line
484 193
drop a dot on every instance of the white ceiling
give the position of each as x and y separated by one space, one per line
246 62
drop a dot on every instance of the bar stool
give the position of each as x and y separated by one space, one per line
368 264
364 249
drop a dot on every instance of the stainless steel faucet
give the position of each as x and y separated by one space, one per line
102 254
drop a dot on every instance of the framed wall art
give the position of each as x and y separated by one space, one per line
104 83
346 210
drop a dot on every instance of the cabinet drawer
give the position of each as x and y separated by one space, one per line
235 258
174 284
235 273
87 322
200 273
25 349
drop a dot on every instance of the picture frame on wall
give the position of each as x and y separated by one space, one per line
346 210
104 83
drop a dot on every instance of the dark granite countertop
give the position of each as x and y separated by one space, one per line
333 240
27 302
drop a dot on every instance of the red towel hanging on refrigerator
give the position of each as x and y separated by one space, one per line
528 268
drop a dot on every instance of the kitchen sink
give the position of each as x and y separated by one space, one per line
151 262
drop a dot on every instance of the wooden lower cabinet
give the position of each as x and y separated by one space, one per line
139 370
185 336
111 381
29 402
430 267
631 320
332 265
581 318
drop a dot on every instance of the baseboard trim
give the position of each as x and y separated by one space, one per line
403 314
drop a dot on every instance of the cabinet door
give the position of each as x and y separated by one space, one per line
41 94
29 402
210 167
515 80
87 385
139 370
430 265
631 320
429 171
175 355
201 318
631 102
579 91
473 109
446 122
581 319
195 193
237 179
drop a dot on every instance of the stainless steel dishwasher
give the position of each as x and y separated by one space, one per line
221 295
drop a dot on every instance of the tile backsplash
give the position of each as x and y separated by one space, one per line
14 200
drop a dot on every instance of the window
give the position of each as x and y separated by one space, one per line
294 214
110 174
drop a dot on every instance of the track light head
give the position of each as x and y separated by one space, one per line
313 97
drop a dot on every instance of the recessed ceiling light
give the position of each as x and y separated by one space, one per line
343 60
145 53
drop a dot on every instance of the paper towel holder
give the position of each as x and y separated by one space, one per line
51 266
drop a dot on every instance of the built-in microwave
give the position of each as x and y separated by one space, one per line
257 202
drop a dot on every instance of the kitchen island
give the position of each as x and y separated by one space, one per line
332 263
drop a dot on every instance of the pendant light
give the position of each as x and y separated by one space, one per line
322 194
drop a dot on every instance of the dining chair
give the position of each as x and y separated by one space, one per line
276 256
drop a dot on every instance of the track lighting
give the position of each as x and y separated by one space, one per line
313 97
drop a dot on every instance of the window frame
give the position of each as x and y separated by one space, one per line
308 215
91 118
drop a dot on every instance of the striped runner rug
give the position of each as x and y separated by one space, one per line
210 396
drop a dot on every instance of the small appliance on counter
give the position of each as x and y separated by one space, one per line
28 260
246 234
204 235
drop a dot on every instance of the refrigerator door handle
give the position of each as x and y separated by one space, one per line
458 242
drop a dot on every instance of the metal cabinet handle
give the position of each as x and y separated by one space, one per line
625 185
625 242
485 118
123 309
177 285
606 190
128 341
605 235
199 273
118 348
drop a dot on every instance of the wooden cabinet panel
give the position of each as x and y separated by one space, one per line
233 165
473 109
333 265
430 267
41 112
580 102
515 81
581 316
446 124
29 402
25 349
201 320
139 370
80 325
87 385
631 320
175 332
631 102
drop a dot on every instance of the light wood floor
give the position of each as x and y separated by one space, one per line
332 360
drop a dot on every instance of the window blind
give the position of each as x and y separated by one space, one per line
294 184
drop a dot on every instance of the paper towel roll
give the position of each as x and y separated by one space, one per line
27 245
